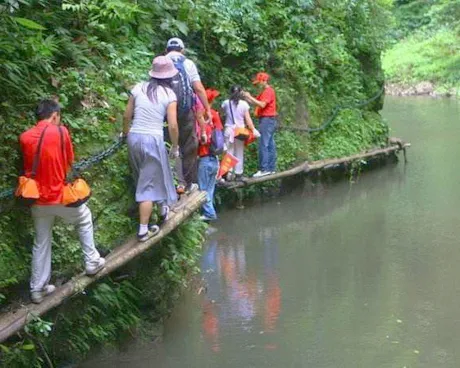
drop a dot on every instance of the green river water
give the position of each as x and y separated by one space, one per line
349 275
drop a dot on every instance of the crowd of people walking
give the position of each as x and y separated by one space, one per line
166 161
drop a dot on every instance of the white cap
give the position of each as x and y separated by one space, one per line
175 42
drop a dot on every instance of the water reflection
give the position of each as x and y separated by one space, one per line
239 296
334 275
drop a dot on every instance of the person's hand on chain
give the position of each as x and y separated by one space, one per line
203 138
174 152
122 136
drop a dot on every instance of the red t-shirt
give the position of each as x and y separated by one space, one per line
268 95
52 166
216 123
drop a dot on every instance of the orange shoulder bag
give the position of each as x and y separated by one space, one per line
28 191
77 192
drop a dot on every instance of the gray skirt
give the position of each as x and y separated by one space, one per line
150 165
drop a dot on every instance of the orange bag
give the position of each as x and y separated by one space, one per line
242 133
76 193
28 191
228 162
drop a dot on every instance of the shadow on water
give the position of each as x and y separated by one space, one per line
341 275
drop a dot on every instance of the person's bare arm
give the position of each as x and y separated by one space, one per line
202 123
201 92
248 120
173 129
128 115
254 100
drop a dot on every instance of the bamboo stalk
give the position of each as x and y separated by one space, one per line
316 165
14 321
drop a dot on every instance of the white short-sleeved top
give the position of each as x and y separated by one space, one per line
189 66
238 112
149 116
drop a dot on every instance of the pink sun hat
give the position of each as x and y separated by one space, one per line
163 68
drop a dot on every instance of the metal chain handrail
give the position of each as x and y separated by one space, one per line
81 165
334 114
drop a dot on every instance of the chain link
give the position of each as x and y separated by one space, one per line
334 114
81 165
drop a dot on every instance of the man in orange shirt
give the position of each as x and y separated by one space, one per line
266 112
54 159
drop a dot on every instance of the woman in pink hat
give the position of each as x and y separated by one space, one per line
143 120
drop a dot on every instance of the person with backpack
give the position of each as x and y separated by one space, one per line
143 120
208 162
266 112
185 85
237 117
48 154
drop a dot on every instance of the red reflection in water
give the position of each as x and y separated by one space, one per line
245 295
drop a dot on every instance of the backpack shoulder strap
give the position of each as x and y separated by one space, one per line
37 154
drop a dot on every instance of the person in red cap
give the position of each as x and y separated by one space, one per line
266 112
208 163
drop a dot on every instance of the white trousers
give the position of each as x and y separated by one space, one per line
237 149
44 217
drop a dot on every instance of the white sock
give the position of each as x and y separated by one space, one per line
143 229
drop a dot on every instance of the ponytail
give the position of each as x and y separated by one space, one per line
236 94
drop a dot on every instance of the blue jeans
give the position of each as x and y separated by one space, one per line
267 147
207 171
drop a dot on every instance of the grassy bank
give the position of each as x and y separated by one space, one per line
425 57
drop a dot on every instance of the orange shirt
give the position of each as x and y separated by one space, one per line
268 95
52 166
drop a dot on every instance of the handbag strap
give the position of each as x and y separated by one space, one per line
231 111
37 154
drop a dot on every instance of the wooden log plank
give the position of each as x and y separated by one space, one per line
317 165
12 322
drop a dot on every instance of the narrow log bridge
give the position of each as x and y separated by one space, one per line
395 145
14 321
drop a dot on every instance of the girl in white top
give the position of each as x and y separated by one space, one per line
237 115
149 104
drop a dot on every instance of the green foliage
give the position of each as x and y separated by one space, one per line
427 45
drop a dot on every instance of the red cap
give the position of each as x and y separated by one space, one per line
211 94
261 77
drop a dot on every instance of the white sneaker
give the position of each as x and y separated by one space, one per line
164 215
38 296
95 267
206 218
191 188
260 174
153 230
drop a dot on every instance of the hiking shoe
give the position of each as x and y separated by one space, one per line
180 189
191 188
164 216
153 230
38 296
95 267
260 174
206 218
